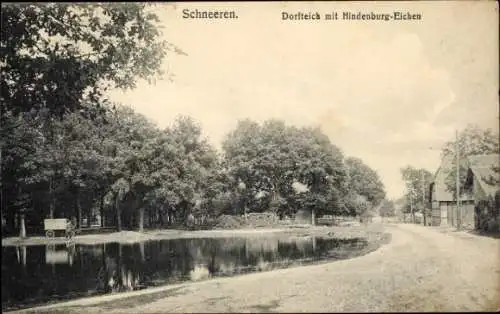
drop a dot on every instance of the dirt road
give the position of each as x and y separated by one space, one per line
422 269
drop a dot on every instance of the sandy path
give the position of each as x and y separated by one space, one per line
420 270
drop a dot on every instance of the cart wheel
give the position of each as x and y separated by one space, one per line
49 233
70 234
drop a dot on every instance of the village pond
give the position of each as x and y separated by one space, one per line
34 275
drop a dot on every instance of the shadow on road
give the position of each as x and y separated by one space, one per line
493 235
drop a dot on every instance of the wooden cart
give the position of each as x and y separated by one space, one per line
60 224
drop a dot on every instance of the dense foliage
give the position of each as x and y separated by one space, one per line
416 198
54 55
65 151
124 168
269 158
387 208
365 189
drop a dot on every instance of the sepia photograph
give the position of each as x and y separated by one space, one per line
250 157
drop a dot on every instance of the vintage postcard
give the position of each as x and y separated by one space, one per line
227 157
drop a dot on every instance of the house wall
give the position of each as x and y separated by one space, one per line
468 215
450 215
446 213
484 219
436 217
441 212
435 208
452 210
444 208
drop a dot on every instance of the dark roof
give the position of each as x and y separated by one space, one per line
441 192
482 167
489 160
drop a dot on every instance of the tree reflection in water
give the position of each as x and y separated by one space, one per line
21 255
82 270
60 254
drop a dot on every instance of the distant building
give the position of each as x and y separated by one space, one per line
483 184
444 205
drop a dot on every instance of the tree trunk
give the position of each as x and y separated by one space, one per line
120 267
143 255
23 255
51 200
89 216
11 222
101 210
160 218
187 212
118 214
79 210
313 217
141 219
22 227
2 200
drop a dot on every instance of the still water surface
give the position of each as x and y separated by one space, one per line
33 275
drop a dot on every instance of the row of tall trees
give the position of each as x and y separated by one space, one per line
130 172
417 181
271 161
58 60
67 152
120 162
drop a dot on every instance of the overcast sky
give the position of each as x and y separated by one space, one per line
382 91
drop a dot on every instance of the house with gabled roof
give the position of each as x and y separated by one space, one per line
443 203
483 182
